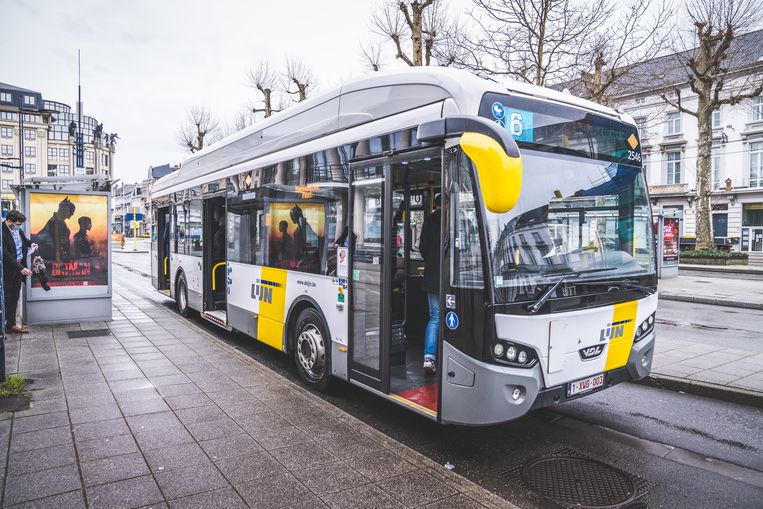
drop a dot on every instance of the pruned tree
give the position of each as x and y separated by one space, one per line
198 129
266 82
301 77
371 55
415 27
611 60
243 119
708 70
538 41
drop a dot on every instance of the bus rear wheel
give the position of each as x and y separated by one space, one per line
181 296
311 350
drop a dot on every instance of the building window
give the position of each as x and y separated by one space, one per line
6 167
5 97
29 100
8 115
6 132
52 153
52 170
715 167
89 157
30 151
30 134
32 118
6 150
63 170
756 164
674 168
757 109
716 119
105 159
7 184
63 153
30 168
674 122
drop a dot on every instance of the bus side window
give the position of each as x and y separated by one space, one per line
465 246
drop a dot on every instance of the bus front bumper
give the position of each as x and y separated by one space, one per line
478 393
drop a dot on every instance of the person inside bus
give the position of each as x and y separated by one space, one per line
429 247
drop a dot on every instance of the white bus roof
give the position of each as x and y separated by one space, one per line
359 101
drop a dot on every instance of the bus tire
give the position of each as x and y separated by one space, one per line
181 296
311 350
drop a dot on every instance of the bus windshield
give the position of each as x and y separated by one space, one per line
574 215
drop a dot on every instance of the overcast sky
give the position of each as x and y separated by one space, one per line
144 63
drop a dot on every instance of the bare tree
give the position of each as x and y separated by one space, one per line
267 83
372 57
639 32
243 119
538 41
415 27
197 129
708 67
299 75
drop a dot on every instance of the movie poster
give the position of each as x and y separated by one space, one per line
296 235
71 231
670 240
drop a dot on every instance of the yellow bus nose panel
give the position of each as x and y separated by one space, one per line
620 345
500 175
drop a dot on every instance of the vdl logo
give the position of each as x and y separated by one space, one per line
613 330
590 352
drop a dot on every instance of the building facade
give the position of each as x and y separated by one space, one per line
37 139
669 146
135 199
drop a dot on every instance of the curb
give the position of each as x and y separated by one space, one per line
719 268
469 489
711 300
698 388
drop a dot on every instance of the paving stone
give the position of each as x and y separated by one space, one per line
143 406
126 494
151 422
239 469
136 384
43 407
100 429
176 457
262 418
38 422
416 488
96 413
105 447
228 447
69 500
191 480
40 439
351 444
155 439
330 478
214 429
455 502
224 498
179 389
367 496
380 465
160 381
35 460
188 401
41 484
302 455
279 437
200 414
279 490
114 468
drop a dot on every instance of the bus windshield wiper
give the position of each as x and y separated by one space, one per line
625 284
564 276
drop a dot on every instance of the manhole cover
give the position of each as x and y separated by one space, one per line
92 333
578 481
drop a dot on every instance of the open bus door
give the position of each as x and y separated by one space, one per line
386 296
215 261
162 250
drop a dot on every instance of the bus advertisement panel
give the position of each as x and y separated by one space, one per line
71 231
296 235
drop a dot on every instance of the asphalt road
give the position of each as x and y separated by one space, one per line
687 451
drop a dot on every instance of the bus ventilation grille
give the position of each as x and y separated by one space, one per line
572 480
90 333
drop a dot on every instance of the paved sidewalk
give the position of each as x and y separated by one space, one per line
152 411
720 291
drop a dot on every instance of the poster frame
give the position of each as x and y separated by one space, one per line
70 292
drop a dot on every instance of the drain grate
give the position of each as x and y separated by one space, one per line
91 333
572 480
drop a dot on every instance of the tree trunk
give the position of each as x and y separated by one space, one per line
704 229
416 34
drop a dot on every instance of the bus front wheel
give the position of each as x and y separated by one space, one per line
181 296
311 350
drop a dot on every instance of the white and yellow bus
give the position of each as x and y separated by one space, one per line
303 231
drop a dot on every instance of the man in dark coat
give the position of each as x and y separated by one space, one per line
429 247
15 248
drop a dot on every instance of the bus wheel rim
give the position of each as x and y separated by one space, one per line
311 351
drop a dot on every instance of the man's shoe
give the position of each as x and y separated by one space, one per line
17 330
429 366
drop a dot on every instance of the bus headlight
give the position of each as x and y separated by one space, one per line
644 328
506 352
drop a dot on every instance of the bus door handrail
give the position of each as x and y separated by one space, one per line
214 269
165 264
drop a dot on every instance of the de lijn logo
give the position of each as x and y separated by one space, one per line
613 330
262 290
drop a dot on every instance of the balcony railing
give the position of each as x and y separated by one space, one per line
669 189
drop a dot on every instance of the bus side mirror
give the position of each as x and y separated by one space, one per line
500 175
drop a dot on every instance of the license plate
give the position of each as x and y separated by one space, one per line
585 385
